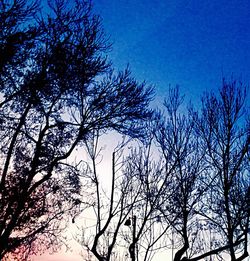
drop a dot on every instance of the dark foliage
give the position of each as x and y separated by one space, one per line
57 87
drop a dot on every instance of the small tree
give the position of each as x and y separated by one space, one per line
125 211
110 205
57 88
147 171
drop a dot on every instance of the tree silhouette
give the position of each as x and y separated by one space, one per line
223 126
110 206
184 166
208 151
185 187
125 216
57 87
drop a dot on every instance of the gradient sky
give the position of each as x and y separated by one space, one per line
186 42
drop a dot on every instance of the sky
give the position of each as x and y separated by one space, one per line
192 43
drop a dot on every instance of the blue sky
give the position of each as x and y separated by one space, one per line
186 42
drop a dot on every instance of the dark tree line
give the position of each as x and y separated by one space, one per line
57 87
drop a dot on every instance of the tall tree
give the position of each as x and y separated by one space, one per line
184 165
57 87
223 126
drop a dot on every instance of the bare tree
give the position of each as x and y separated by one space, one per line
223 126
146 169
173 195
207 156
110 204
126 217
57 88
184 165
